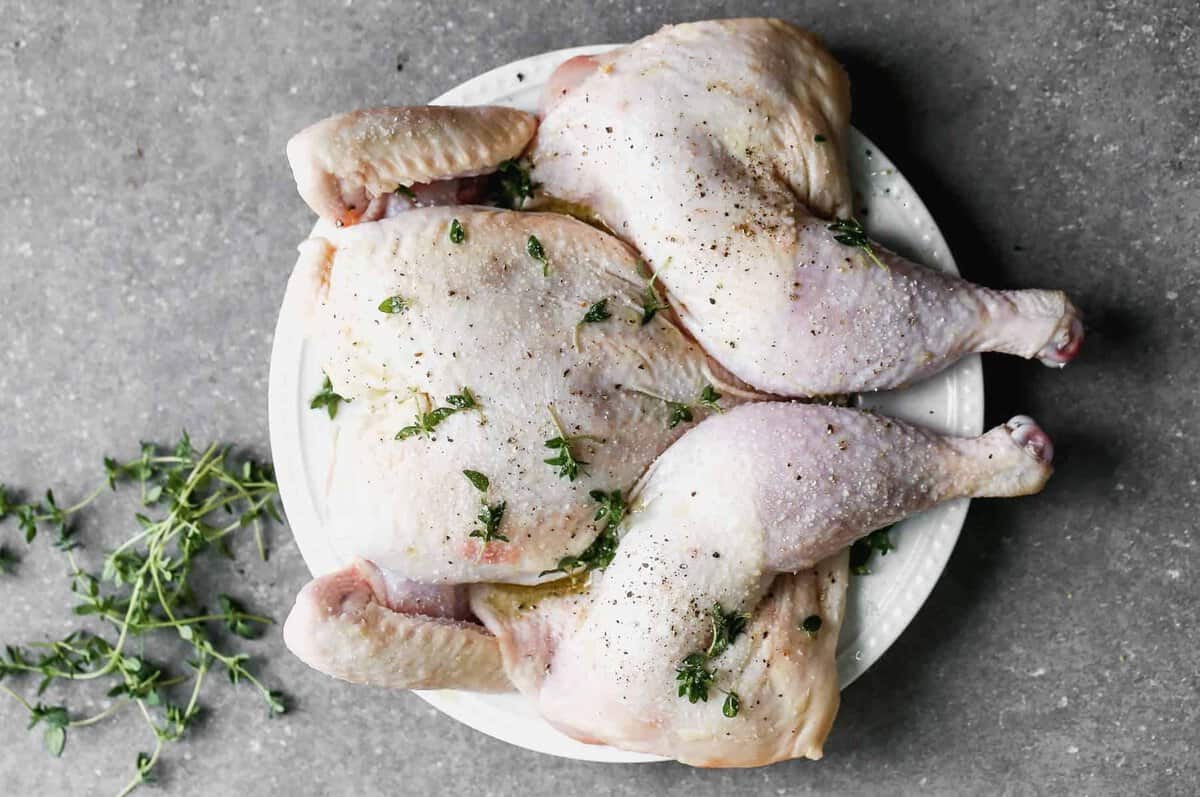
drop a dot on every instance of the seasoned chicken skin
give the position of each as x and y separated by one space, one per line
483 318
750 512
673 580
717 150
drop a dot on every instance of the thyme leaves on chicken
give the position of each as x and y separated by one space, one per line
490 515
203 499
394 305
851 233
861 551
599 554
428 421
811 625
478 480
512 185
406 191
595 314
569 466
694 677
682 411
538 252
651 303
726 627
463 400
457 233
326 398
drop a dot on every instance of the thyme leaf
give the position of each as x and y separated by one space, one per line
851 233
324 398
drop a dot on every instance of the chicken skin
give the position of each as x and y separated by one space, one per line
717 150
747 515
577 462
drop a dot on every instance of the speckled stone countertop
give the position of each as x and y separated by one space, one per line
150 224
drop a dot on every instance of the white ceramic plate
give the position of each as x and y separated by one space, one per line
880 605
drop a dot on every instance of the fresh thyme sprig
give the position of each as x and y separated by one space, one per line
512 185
651 303
426 422
457 233
681 411
851 233
726 627
861 551
595 314
538 252
328 399
568 466
811 625
394 305
693 675
600 553
490 515
203 498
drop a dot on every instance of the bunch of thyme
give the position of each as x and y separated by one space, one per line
201 499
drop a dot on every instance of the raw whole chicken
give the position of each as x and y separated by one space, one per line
557 477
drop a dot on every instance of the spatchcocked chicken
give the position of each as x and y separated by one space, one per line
576 467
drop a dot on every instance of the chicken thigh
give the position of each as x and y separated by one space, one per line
715 148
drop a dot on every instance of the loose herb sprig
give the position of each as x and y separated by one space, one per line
203 498
325 398
851 233
600 553
860 552
427 422
535 249
512 185
568 466
693 675
490 515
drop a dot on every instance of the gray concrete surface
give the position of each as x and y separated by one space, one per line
149 225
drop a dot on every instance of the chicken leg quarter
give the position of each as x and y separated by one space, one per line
747 511
715 148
